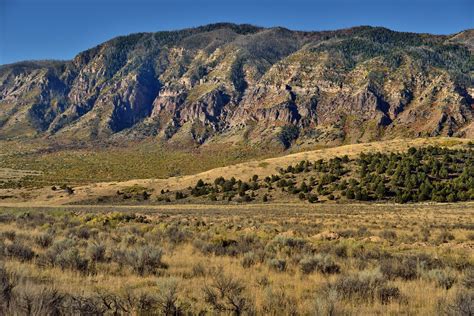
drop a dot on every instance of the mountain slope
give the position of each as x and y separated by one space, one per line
233 83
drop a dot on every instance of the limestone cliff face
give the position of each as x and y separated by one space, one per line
210 82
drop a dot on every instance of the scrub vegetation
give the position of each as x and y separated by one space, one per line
318 259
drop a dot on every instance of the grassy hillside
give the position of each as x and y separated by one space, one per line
118 163
57 171
428 173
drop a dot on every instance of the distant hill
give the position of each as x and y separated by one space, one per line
242 83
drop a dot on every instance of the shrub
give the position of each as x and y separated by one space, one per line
244 198
144 303
7 218
72 259
470 236
87 305
468 279
69 190
167 298
9 234
387 294
308 265
291 243
388 234
249 260
198 270
312 198
426 261
462 304
363 285
445 236
7 284
442 278
230 247
83 233
226 294
41 301
96 252
277 302
340 251
49 257
326 265
325 302
145 259
404 268
322 263
349 193
179 195
66 255
20 252
44 240
277 264
110 302
262 281
347 233
175 235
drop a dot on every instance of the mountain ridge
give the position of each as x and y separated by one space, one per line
34 61
243 83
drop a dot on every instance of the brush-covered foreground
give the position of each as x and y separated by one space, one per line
258 259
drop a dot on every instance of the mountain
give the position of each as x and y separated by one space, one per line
233 83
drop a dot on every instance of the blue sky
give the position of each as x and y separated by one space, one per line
59 29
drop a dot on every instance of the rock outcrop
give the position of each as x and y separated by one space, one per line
349 85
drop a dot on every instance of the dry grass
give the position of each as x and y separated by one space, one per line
191 238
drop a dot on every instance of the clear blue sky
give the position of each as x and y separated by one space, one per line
59 29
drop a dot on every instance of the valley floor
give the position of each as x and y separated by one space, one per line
297 259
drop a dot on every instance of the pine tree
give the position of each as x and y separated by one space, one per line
380 190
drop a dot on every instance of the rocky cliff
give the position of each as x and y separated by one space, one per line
243 83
